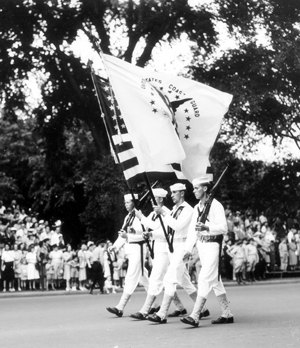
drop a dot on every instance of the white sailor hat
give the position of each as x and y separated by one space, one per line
177 187
90 243
203 179
159 192
128 196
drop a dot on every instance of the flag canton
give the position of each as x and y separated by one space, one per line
111 110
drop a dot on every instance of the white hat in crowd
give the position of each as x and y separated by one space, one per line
128 196
203 179
159 192
177 187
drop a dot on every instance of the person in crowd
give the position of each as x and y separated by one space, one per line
24 273
110 260
57 262
209 237
284 254
292 247
49 275
33 274
228 259
74 272
7 268
89 262
130 235
17 265
251 259
237 252
97 270
42 256
261 266
239 233
82 266
67 257
54 240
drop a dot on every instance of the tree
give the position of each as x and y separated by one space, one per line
36 40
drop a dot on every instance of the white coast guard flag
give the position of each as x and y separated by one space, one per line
147 117
198 108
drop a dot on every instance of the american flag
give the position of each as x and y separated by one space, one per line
117 131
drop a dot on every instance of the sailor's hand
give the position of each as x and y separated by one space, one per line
123 234
138 214
186 256
158 210
200 226
112 248
147 235
131 230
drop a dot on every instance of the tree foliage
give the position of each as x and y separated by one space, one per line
55 156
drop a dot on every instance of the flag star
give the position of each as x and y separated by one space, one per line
177 97
154 110
106 88
188 118
186 110
109 98
114 117
152 102
116 127
161 88
111 107
123 125
186 136
188 128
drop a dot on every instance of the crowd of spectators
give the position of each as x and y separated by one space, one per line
34 256
33 253
256 245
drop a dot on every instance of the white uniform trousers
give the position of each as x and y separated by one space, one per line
177 272
160 265
134 272
208 276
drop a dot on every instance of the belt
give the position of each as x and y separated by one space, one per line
141 243
211 239
214 239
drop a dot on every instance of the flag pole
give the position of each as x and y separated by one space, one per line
160 219
114 154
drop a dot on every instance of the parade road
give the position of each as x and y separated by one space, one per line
265 316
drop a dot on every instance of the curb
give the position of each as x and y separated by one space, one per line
38 293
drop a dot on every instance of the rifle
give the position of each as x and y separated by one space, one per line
210 198
136 205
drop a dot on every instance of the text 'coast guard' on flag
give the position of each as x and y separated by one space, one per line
134 150
198 111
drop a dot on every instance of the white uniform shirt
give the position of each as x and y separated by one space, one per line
216 221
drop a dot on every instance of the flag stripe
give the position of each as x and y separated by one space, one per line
124 146
129 163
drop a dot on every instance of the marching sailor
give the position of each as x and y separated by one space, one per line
209 236
131 235
177 222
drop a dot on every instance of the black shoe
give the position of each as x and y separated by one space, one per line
115 311
177 313
154 310
189 321
156 319
139 316
223 320
204 314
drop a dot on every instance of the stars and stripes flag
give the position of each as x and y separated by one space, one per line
140 129
198 110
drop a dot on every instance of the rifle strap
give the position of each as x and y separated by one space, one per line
175 214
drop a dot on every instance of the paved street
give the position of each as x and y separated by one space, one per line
265 316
